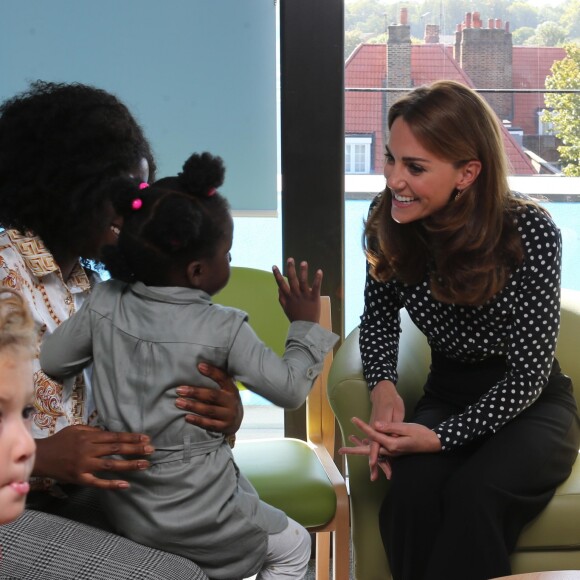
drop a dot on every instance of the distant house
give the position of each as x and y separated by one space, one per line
531 66
481 58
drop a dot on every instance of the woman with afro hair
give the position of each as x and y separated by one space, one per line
61 146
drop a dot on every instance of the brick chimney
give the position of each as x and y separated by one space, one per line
399 53
431 34
398 63
485 54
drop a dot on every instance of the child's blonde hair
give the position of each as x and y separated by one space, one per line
16 324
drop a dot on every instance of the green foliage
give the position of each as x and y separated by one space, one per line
365 20
380 39
564 108
368 16
352 38
547 34
522 15
570 18
521 35
553 23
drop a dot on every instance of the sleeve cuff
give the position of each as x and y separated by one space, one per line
317 339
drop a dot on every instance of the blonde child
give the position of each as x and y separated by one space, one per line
17 446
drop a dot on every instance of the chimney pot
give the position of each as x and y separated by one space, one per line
404 16
431 34
498 23
468 20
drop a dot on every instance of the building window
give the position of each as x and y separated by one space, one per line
357 154
544 127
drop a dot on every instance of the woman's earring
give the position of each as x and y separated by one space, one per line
458 194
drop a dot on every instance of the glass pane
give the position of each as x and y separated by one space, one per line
348 159
389 50
360 159
182 113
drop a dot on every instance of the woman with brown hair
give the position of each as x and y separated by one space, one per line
477 267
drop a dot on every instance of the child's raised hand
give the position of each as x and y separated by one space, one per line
299 300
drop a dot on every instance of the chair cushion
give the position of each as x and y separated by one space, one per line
288 475
557 527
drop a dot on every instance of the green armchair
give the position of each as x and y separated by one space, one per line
550 542
299 477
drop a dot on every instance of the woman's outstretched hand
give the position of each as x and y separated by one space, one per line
299 300
393 439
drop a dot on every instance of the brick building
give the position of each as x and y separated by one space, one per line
482 57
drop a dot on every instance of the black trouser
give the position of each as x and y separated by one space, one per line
457 515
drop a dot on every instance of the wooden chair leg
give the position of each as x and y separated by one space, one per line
341 553
323 556
341 537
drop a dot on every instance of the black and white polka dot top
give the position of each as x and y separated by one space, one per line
521 323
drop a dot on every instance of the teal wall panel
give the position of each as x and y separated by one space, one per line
198 74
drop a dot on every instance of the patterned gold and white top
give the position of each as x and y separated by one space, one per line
28 266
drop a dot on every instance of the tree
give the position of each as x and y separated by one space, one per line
570 18
521 35
564 108
363 21
547 34
367 16
368 20
521 14
352 38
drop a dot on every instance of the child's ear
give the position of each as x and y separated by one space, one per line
194 273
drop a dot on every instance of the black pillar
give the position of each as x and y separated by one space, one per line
312 147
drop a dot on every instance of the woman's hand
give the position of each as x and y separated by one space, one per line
219 410
392 439
388 407
76 453
299 300
363 447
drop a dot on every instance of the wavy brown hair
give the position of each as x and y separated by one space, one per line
472 244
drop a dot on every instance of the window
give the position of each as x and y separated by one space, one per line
544 128
357 154
419 48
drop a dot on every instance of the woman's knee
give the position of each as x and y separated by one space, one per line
422 474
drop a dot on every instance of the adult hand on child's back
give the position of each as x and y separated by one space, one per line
299 300
76 453
219 410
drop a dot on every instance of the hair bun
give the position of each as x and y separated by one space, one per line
202 174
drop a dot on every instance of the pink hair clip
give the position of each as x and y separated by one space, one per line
211 192
143 185
137 203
